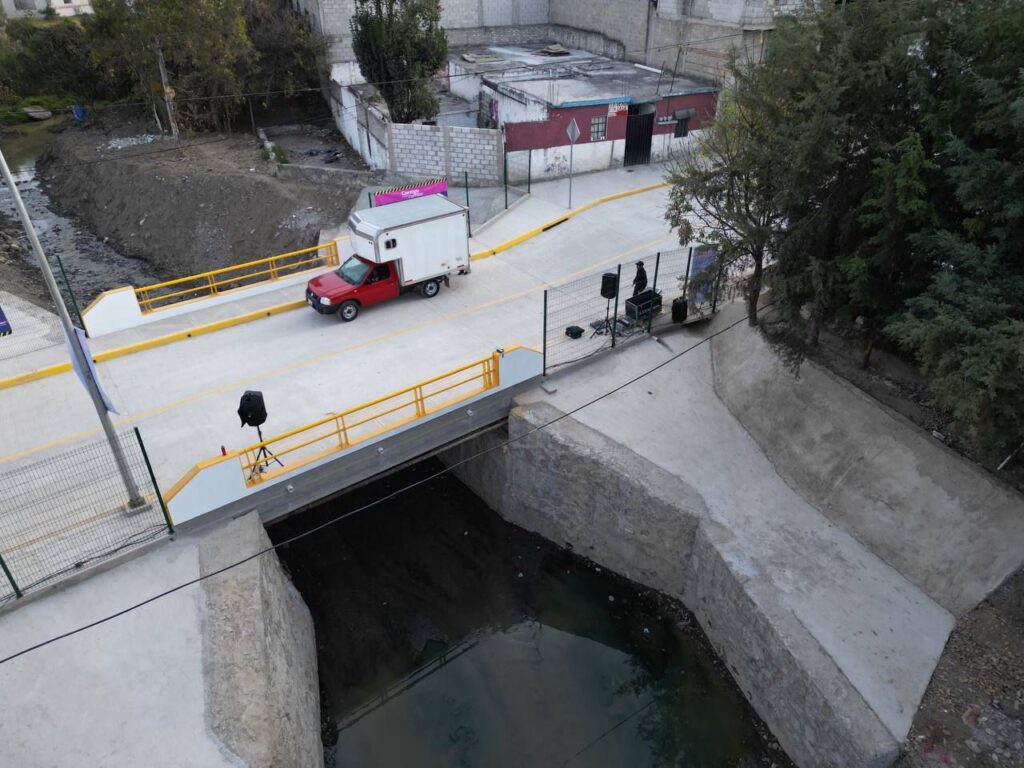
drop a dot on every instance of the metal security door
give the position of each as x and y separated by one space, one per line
639 130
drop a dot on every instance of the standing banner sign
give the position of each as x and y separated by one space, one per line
81 340
703 259
410 191
5 324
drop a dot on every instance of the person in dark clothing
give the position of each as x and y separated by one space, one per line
640 280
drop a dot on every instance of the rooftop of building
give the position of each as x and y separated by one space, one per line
569 77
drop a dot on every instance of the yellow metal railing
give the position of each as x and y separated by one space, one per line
214 282
357 425
311 442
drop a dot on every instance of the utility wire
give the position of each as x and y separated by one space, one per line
370 505
621 722
498 67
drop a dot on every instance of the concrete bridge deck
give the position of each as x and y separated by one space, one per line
183 396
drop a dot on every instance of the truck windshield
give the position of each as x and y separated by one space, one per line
353 271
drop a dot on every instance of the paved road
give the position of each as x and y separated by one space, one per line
184 396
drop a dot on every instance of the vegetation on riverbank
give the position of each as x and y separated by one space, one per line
875 156
212 51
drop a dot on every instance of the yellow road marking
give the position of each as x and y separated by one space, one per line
156 341
201 330
531 233
232 386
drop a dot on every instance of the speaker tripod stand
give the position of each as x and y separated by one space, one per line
603 327
263 458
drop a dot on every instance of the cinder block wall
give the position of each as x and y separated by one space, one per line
434 150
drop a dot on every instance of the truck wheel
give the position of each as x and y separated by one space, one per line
430 289
348 311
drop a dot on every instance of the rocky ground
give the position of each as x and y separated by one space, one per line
189 206
15 274
972 715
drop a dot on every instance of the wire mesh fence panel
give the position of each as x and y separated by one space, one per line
30 328
519 167
65 511
588 315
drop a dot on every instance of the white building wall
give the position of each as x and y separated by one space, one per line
512 110
20 8
553 162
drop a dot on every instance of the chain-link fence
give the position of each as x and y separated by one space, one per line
588 315
65 511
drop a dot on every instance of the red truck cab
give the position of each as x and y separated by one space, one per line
358 283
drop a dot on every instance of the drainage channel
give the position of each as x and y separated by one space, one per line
447 636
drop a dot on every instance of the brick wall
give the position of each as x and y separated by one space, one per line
433 150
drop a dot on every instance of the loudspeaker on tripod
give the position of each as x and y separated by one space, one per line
609 285
251 409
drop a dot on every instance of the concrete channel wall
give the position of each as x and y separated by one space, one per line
576 487
944 523
219 674
259 653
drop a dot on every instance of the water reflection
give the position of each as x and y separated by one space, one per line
450 638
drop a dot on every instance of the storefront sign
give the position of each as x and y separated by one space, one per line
410 191
618 110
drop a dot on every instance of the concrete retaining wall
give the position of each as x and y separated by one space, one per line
576 487
945 524
259 653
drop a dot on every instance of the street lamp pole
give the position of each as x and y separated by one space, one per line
134 497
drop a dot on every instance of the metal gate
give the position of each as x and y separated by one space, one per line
639 130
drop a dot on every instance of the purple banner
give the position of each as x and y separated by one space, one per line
5 324
408 193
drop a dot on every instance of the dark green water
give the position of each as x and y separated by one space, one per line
448 637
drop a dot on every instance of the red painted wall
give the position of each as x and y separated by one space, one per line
551 132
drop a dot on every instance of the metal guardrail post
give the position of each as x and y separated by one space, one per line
654 288
544 347
469 216
10 577
152 477
686 276
615 316
71 293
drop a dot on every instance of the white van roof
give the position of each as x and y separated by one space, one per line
370 222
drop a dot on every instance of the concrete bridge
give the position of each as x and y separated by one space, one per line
345 400
827 546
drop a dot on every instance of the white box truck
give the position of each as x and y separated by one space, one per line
414 244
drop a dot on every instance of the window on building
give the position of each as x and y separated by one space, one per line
598 128
683 117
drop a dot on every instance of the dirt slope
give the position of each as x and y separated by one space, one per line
209 202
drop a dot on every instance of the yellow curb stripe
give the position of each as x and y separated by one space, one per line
140 416
561 219
157 341
200 330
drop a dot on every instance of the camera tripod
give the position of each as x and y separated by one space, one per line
263 458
